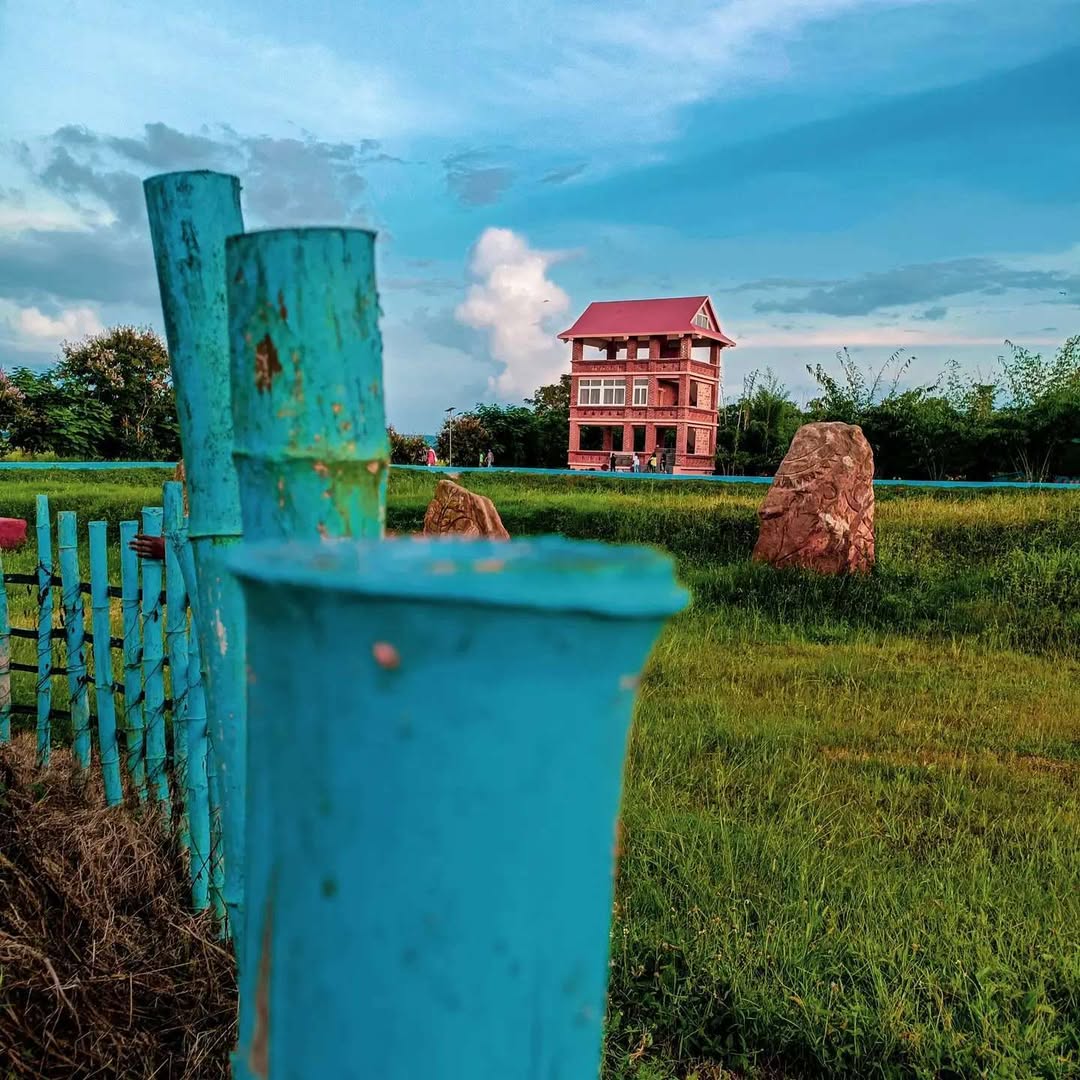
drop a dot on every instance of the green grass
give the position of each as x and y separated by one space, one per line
852 807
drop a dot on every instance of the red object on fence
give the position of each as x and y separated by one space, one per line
12 533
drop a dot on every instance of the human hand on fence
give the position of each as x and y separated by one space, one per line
149 547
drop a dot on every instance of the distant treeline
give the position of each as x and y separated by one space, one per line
110 397
1024 425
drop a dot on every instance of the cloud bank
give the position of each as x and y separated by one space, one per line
515 301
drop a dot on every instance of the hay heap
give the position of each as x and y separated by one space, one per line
104 970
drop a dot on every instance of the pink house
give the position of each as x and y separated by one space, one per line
645 376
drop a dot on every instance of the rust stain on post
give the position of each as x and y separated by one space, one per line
267 364
283 311
386 656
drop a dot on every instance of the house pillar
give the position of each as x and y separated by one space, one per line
686 347
577 350
608 438
613 350
655 344
631 349
575 436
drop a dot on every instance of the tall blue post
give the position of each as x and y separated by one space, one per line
309 434
101 616
191 214
67 530
441 871
44 638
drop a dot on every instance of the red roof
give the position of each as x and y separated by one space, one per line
645 318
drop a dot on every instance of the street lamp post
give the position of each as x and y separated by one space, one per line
450 415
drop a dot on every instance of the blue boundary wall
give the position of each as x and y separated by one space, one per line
101 466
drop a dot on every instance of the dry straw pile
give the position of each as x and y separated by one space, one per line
104 970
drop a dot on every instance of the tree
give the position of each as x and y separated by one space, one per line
471 439
40 417
407 449
124 371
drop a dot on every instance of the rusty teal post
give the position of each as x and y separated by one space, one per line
309 424
310 443
191 214
441 872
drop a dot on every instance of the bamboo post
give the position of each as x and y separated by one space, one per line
191 214
133 672
176 623
67 532
44 638
103 664
5 662
458 853
309 425
153 632
310 444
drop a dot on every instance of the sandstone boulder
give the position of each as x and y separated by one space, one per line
459 512
819 512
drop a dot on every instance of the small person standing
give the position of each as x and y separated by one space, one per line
489 461
635 464
431 460
612 462
652 462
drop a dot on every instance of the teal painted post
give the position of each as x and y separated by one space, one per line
153 634
310 444
67 535
5 662
441 885
100 609
44 639
309 424
176 623
133 673
191 214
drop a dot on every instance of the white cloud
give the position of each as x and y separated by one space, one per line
515 301
30 329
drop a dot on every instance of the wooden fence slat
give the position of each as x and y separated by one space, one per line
67 530
100 611
176 620
45 618
153 655
200 849
133 676
217 840
5 663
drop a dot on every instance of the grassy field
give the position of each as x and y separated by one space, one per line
853 807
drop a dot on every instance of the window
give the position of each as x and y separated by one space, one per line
601 392
641 391
703 320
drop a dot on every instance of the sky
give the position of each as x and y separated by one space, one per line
879 175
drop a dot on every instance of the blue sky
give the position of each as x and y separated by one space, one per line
876 174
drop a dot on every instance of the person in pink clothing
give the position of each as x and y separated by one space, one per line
430 457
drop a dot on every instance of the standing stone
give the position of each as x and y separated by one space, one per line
454 510
819 512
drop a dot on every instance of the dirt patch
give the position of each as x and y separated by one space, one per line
104 970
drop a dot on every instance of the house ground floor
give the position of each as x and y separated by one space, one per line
680 447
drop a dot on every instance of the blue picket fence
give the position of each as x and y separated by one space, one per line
144 732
